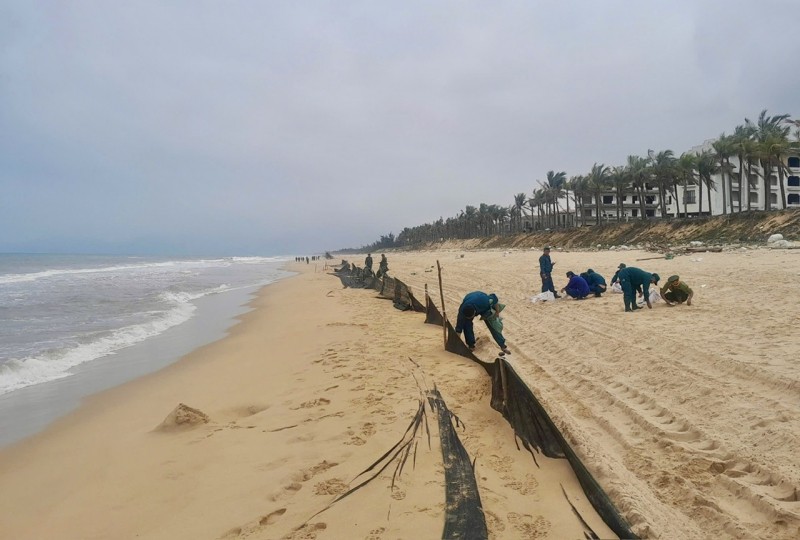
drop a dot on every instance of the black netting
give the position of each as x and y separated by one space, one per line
512 397
387 287
432 315
464 518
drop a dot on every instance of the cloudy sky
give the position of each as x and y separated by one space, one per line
284 127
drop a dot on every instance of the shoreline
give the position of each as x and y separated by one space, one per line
27 411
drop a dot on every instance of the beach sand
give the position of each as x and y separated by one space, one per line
687 416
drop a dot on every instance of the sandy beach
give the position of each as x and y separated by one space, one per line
687 416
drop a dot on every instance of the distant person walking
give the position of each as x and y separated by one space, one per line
368 262
489 308
545 272
383 266
635 280
676 291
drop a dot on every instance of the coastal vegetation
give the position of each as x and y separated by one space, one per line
559 202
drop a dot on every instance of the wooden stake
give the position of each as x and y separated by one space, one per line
504 382
444 312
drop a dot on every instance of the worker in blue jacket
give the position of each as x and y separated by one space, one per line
577 287
545 272
488 308
635 280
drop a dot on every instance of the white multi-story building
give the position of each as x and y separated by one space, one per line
691 196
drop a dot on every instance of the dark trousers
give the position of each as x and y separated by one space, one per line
575 293
676 296
628 294
597 289
547 283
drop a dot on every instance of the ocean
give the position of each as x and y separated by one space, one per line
72 325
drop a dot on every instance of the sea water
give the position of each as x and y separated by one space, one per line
71 325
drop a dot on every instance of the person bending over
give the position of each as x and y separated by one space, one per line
486 306
635 280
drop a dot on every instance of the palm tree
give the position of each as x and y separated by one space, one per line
685 167
597 180
723 150
663 166
575 184
620 179
744 146
471 219
707 167
640 172
538 202
768 130
519 208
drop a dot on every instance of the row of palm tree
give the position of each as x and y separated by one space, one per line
759 149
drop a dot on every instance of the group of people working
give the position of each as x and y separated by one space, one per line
631 280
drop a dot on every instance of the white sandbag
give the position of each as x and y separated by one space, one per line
616 287
543 297
655 296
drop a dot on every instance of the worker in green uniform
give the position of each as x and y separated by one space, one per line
635 280
615 277
676 291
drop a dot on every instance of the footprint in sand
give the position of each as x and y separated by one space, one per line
319 402
286 491
525 487
306 532
334 486
528 527
272 517
375 534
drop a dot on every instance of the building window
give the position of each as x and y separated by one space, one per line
650 200
793 198
588 199
689 197
794 161
650 213
587 212
794 181
608 199
773 199
753 197
773 180
735 196
635 199
636 211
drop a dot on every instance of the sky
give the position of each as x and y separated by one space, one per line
296 127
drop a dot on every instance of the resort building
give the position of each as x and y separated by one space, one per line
734 193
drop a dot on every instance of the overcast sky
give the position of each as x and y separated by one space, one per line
291 127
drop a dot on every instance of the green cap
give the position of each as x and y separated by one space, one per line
546 248
621 266
670 279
